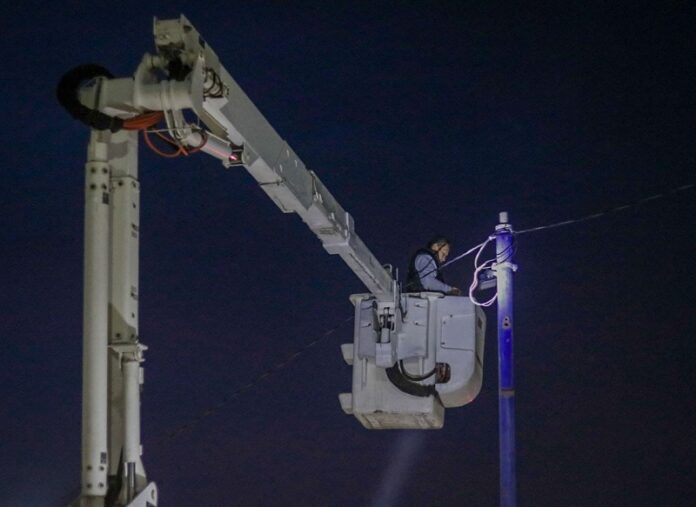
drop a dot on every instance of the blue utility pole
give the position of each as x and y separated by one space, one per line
504 248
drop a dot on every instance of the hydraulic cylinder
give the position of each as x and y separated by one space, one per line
131 419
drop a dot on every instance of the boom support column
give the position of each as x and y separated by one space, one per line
126 472
95 324
112 470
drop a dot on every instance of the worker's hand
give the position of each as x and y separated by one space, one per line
454 291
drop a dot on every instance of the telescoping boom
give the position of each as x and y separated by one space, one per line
238 134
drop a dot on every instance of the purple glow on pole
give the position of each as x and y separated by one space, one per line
506 389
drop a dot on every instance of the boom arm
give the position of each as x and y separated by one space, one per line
240 134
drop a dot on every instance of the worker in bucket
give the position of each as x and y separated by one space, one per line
424 273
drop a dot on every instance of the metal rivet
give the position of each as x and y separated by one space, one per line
93 170
89 486
89 467
101 484
120 183
105 170
101 468
92 186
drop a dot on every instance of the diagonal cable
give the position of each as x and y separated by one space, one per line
183 428
609 211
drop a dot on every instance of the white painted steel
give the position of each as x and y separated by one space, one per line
126 350
123 315
125 237
131 391
429 328
212 145
267 157
233 118
131 426
115 402
127 95
148 497
95 319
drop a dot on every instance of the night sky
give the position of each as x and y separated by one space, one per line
420 118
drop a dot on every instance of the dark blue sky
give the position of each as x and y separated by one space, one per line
420 118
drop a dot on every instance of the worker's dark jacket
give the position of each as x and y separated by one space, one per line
413 278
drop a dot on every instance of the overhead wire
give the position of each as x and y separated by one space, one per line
183 428
478 268
458 258
490 263
146 121
600 214
508 253
505 255
146 124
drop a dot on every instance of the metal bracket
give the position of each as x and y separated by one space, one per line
129 351
504 265
146 498
386 347
487 279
